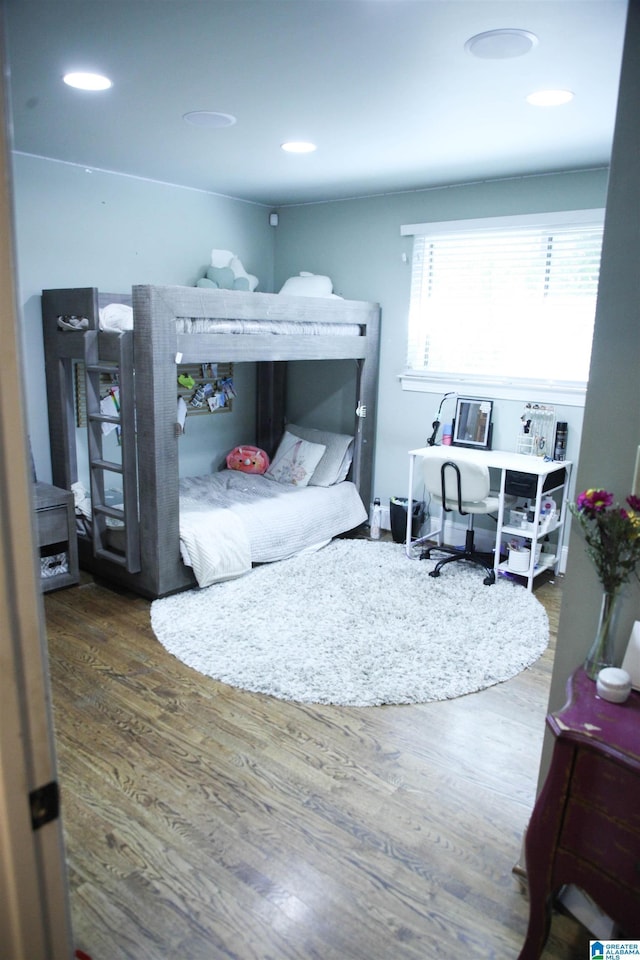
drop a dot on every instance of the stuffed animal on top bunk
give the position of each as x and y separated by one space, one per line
309 285
248 460
227 273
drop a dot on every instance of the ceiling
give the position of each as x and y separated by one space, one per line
385 88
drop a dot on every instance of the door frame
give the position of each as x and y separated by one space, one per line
34 902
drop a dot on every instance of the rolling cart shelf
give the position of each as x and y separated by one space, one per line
528 532
547 561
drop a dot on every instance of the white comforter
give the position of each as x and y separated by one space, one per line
229 520
213 542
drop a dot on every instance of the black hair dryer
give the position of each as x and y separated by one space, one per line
436 423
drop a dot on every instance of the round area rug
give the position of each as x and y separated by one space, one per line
358 624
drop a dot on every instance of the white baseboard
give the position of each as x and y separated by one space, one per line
455 533
564 553
587 912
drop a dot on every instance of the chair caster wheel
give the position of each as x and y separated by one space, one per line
489 580
434 573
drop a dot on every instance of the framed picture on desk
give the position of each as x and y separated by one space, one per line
472 424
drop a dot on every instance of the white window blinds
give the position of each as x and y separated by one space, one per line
510 300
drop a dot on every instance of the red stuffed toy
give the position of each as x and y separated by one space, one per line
248 460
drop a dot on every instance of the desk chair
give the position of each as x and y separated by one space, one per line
456 484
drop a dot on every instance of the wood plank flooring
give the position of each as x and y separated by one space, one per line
204 822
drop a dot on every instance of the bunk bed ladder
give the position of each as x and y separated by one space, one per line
123 418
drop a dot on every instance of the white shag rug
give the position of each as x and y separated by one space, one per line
356 623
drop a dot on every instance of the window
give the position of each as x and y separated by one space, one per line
507 300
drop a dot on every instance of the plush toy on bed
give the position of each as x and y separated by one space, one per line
248 460
227 273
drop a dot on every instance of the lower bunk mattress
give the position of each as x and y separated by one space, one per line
231 520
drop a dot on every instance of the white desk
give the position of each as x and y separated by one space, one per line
506 462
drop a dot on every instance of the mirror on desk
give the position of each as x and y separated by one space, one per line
472 425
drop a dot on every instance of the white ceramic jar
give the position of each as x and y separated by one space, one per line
613 684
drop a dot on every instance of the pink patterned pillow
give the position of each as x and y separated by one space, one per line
295 460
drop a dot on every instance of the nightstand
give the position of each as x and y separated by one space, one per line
56 536
585 826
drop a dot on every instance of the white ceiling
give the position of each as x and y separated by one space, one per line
384 87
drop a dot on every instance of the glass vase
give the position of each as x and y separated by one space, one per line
601 653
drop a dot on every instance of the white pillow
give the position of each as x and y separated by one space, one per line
336 460
295 460
307 285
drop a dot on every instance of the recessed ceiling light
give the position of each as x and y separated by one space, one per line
549 98
298 146
501 44
209 118
87 81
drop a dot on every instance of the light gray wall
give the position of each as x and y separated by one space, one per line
358 244
322 394
76 228
612 411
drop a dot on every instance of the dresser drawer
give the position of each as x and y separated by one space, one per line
56 536
594 836
610 787
52 525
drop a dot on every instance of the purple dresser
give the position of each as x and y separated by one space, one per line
585 826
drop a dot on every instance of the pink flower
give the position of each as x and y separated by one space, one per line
594 501
612 535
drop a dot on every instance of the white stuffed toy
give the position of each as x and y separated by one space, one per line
226 272
309 285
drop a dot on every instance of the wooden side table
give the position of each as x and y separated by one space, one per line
585 826
56 536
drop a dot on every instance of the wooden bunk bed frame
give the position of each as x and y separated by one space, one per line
147 357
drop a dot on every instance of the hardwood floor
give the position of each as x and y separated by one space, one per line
203 822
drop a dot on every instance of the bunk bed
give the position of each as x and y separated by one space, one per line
179 325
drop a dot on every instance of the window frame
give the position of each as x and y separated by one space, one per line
570 393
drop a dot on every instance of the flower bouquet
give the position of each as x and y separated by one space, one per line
612 537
